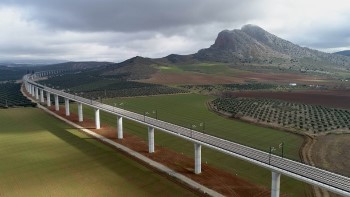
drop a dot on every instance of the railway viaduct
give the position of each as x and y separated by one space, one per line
277 165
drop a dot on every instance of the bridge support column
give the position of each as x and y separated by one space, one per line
66 102
36 93
150 139
275 184
97 119
80 112
29 89
48 99
57 104
42 95
120 127
197 158
33 91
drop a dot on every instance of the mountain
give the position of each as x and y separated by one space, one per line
345 53
248 46
253 44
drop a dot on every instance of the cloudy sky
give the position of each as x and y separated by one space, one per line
114 30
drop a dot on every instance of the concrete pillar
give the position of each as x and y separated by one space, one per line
48 99
36 93
80 112
42 95
29 89
66 102
57 104
275 184
150 139
197 158
33 91
97 119
120 127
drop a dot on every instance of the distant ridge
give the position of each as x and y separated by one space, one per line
249 45
73 65
345 53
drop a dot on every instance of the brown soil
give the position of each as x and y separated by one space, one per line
190 78
284 78
331 152
328 152
330 98
216 179
199 78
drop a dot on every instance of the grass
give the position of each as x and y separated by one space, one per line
42 156
191 109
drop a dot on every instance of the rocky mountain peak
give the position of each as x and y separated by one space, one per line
252 43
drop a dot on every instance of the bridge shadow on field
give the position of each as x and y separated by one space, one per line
115 161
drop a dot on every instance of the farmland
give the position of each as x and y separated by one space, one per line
42 156
326 98
217 73
219 88
190 110
302 118
11 96
92 86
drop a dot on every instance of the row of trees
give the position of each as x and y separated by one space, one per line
235 87
294 116
11 96
93 86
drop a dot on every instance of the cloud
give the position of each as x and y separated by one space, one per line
114 30
133 15
316 24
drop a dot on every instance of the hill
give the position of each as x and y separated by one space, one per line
346 53
73 66
250 48
134 68
253 44
12 73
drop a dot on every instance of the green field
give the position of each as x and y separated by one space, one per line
42 156
191 111
188 110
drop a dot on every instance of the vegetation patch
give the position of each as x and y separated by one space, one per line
11 96
92 86
302 118
12 73
209 88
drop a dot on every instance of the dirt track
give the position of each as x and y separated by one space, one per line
332 152
329 152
